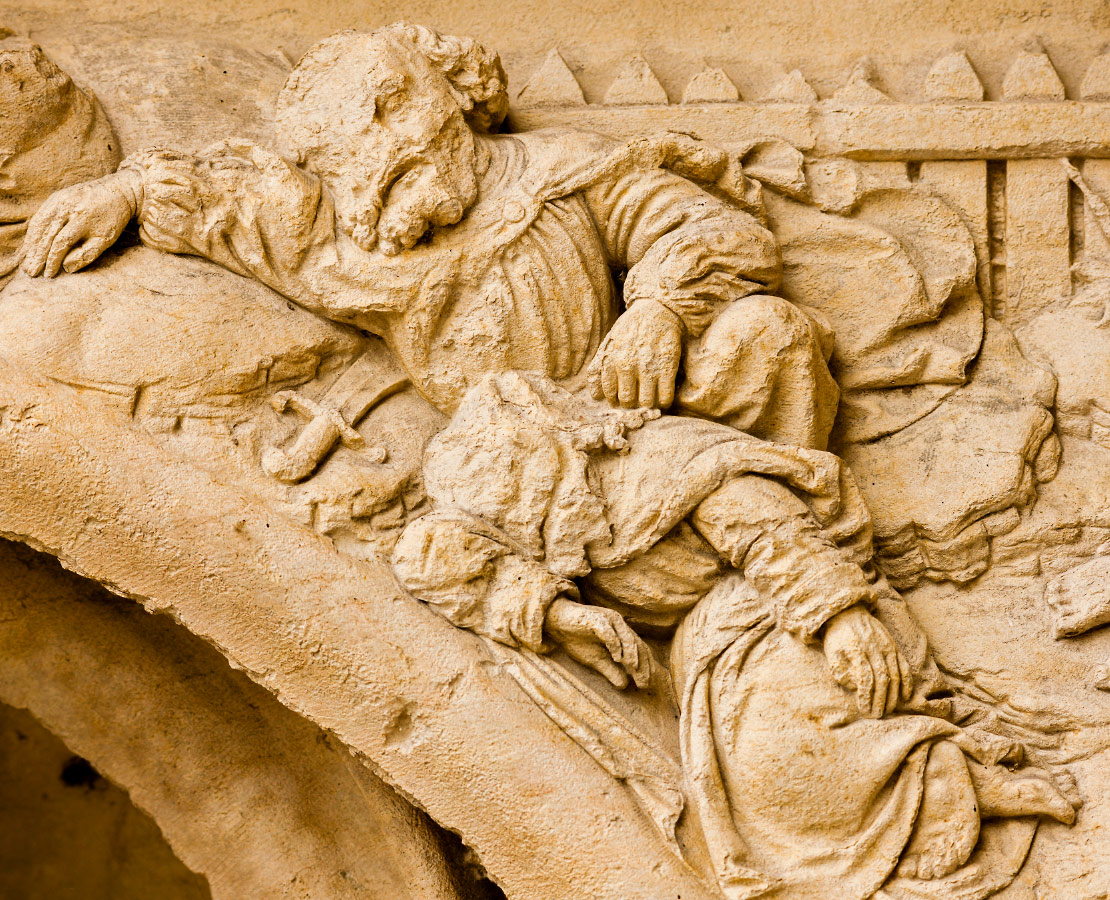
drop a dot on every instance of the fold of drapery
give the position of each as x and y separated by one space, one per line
731 668
621 749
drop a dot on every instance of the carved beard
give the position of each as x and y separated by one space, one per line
356 217
392 207
419 201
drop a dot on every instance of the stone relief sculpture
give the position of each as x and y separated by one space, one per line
55 135
667 425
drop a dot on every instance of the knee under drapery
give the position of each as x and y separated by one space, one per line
762 367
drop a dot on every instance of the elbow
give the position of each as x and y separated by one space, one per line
769 262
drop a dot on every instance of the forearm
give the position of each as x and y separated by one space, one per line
241 207
765 531
130 182
453 563
174 198
811 580
705 264
258 215
682 246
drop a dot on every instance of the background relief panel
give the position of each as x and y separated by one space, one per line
546 451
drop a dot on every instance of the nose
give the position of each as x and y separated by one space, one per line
448 210
441 206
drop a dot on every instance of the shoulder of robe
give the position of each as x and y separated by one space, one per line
555 155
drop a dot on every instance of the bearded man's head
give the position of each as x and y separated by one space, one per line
387 119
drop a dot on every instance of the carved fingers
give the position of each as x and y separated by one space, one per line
905 673
75 226
637 364
601 639
865 660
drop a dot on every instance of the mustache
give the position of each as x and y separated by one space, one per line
361 200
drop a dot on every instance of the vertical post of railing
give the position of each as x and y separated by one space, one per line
1096 172
962 183
1038 222
861 90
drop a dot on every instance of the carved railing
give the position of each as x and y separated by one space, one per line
998 162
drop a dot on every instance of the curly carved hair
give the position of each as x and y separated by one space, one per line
474 74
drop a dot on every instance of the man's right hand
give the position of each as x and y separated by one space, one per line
76 224
601 639
637 363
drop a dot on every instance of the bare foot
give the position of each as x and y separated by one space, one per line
1025 792
947 826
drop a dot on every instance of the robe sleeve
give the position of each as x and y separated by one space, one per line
256 214
461 570
682 246
769 534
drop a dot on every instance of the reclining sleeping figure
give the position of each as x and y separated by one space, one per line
565 510
819 763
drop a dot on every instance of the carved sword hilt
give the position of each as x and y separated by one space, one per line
325 427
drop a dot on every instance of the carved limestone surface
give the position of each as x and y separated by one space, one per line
563 492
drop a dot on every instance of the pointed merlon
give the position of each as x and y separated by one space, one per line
711 86
953 78
552 84
792 89
1096 83
859 89
635 84
1032 77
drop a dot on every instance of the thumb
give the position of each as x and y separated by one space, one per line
82 256
842 670
593 373
600 661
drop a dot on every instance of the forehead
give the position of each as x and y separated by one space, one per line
396 72
386 64
365 89
411 98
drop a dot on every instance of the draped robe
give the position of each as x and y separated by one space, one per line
526 280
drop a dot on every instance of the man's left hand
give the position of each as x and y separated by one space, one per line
601 639
865 660
637 363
